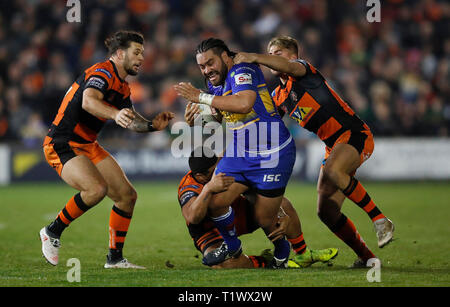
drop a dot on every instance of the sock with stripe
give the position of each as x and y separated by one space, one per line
225 225
258 261
74 208
356 193
298 244
119 221
346 231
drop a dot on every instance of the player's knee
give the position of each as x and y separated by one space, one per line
128 196
325 190
97 192
331 173
327 214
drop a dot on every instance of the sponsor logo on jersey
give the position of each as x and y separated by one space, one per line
243 78
299 114
104 71
95 82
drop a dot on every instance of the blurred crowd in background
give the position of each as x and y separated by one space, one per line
394 74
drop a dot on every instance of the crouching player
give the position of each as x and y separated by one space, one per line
194 195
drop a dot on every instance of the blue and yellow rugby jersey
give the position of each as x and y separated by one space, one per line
261 130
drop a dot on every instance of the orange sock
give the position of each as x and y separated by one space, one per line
356 193
119 221
74 208
298 244
346 231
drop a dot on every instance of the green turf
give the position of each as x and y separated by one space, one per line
418 257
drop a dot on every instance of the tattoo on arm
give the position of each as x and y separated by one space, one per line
140 124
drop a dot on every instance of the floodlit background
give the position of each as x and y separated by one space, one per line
394 73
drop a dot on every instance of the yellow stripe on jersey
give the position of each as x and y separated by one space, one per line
267 100
246 124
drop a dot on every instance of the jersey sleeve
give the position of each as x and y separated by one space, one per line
244 78
186 196
309 68
187 190
99 79
97 82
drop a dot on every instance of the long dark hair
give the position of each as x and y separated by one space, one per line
217 45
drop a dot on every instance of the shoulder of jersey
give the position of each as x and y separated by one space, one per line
244 66
188 182
104 69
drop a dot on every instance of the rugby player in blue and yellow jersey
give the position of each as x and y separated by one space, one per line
305 95
262 154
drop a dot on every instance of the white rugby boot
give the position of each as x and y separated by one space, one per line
50 247
122 264
385 231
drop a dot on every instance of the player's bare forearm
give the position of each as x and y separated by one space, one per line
195 210
241 102
282 65
139 123
274 62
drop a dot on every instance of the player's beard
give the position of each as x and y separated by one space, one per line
128 66
222 75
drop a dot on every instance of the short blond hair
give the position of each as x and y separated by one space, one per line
286 42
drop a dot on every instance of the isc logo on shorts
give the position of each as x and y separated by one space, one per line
272 178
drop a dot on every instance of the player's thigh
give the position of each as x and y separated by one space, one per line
343 158
81 174
120 188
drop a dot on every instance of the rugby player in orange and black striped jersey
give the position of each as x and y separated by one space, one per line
195 192
306 97
71 148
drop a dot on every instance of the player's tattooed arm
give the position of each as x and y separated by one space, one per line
140 124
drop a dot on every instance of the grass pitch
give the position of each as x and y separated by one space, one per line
158 239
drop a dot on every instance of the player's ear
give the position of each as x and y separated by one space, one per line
224 56
120 54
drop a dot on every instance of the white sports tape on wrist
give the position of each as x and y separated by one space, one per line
205 98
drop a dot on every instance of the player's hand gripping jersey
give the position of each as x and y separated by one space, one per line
262 145
314 105
205 234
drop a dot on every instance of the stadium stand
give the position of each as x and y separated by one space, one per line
395 74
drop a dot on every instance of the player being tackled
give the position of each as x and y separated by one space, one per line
194 195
